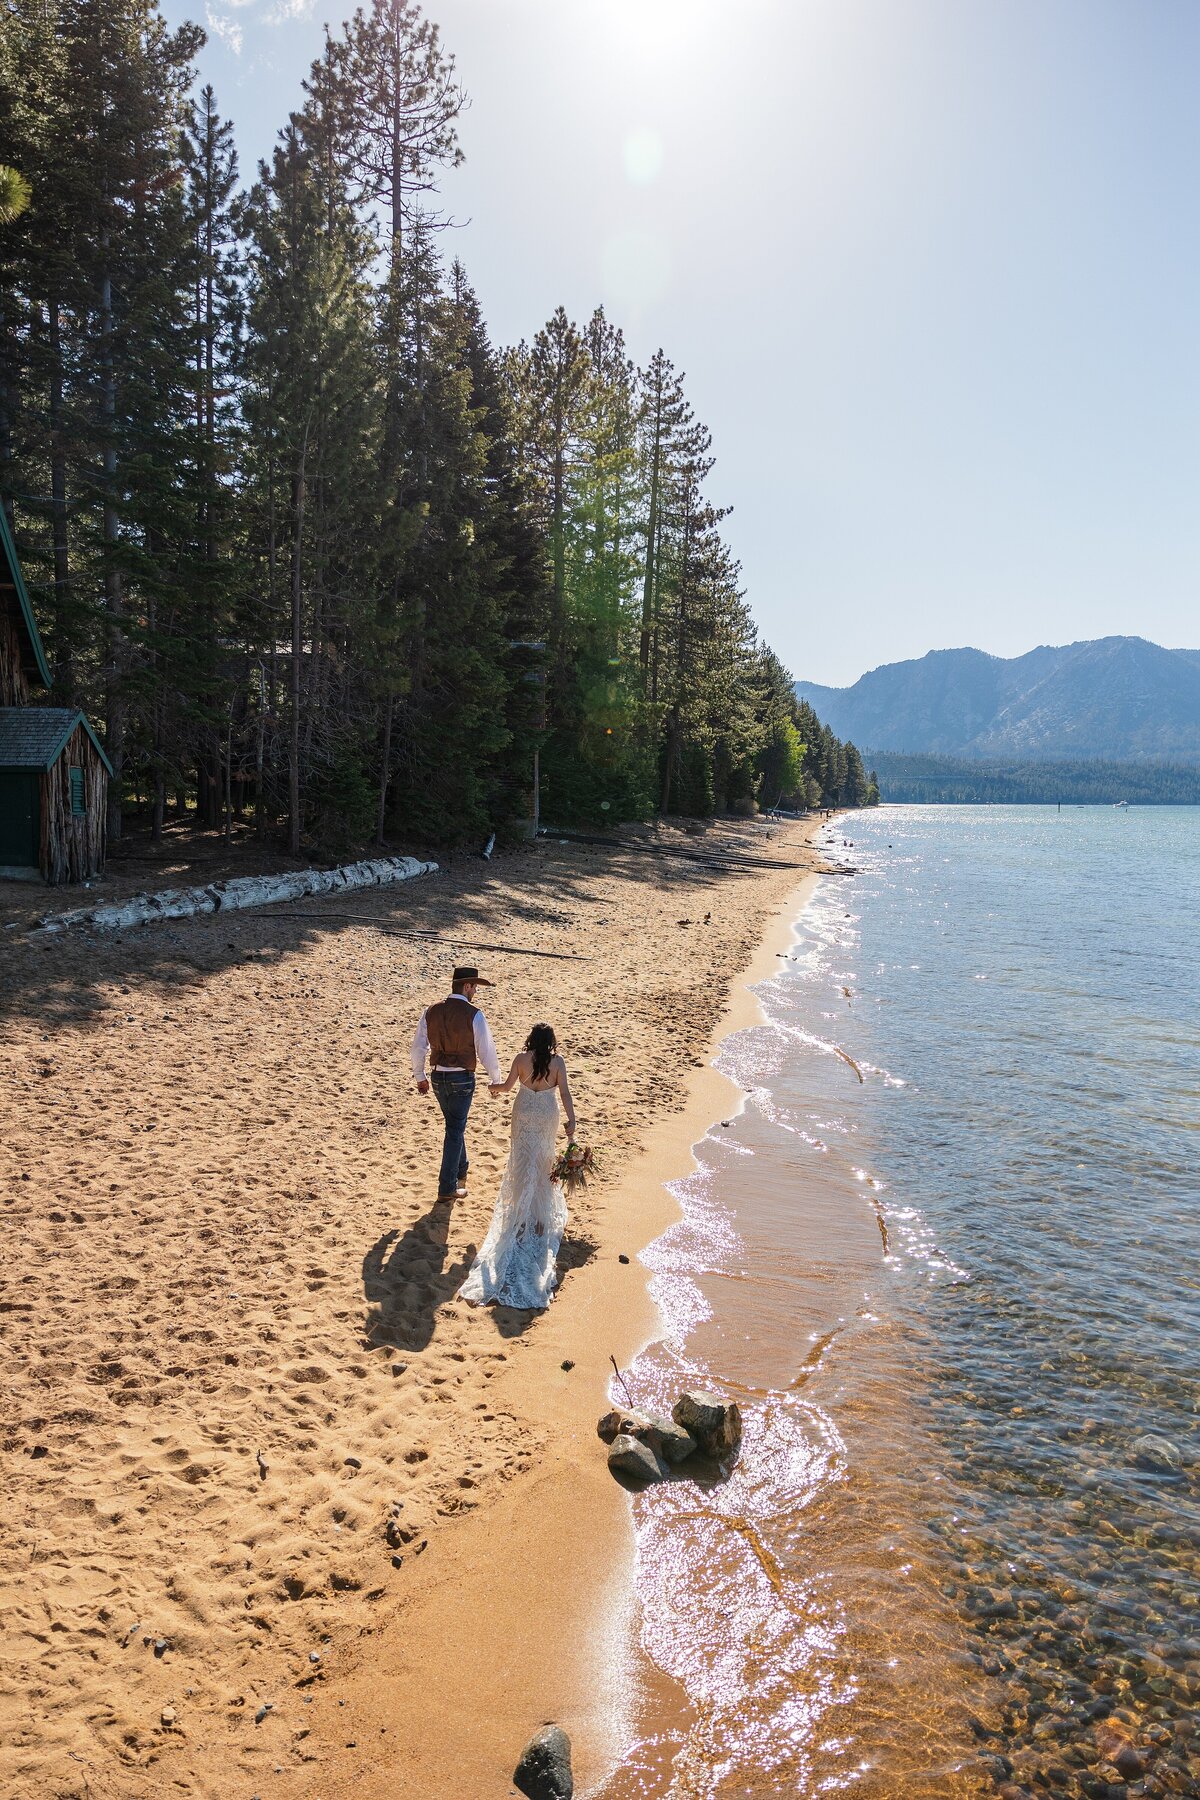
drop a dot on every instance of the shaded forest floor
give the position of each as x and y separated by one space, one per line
186 856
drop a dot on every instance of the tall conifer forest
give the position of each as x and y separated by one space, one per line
317 554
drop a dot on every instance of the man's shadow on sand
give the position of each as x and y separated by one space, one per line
406 1280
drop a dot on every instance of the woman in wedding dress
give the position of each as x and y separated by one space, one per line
516 1266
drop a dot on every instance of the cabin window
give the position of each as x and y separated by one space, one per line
78 803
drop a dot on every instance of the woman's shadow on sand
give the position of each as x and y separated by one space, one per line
406 1279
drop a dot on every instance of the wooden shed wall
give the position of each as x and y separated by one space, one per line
14 684
73 845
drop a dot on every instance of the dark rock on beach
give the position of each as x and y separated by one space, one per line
544 1771
630 1422
613 1423
667 1439
631 1457
715 1424
674 1443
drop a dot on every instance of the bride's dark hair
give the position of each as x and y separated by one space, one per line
541 1045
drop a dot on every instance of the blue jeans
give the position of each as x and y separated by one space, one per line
454 1094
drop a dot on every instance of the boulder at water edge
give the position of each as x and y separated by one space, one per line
715 1424
621 1420
629 1456
674 1443
544 1771
664 1436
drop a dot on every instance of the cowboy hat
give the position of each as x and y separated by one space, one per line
472 975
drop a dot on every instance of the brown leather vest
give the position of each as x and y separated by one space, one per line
451 1028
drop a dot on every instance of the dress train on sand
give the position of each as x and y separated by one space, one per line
516 1264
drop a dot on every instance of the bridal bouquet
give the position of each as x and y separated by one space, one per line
574 1167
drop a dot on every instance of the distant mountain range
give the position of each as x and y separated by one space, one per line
1120 698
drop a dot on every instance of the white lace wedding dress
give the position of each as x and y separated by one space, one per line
516 1265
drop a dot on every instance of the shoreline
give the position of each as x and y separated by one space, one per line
213 1331
576 1662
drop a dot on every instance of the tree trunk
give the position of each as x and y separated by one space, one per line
268 694
63 674
675 735
228 761
670 760
386 773
158 812
298 494
651 579
260 814
114 593
8 399
558 546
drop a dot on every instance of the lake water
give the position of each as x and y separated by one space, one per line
946 1260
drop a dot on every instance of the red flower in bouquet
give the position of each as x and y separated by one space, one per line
574 1166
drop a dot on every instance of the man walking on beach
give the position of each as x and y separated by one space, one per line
454 1035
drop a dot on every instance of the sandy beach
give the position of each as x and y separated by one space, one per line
283 1516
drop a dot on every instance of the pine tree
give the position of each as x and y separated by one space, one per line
210 162
393 100
779 762
312 417
450 724
42 305
695 566
552 376
512 559
388 99
854 791
126 77
671 438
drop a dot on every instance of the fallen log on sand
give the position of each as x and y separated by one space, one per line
243 891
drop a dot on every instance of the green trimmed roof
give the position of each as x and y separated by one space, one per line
34 737
8 555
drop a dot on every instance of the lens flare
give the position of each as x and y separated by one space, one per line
643 156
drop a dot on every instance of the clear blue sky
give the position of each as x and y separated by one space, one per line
932 268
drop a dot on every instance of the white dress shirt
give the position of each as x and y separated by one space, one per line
485 1049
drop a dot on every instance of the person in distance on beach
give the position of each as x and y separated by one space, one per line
516 1265
454 1035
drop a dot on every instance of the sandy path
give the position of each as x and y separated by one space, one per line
245 1423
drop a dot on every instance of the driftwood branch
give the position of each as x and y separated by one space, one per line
621 1379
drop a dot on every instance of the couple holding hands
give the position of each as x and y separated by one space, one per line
516 1264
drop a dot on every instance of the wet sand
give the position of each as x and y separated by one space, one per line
256 1454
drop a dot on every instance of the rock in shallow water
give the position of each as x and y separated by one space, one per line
1158 1454
674 1443
544 1771
715 1424
629 1456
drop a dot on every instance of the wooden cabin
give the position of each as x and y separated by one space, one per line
53 794
53 770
